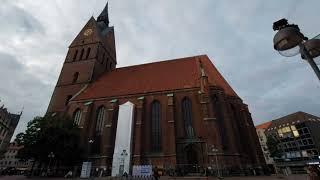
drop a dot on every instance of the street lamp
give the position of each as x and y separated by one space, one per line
289 41
89 145
215 151
50 156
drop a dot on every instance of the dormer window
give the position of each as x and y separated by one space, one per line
81 55
75 55
88 53
75 77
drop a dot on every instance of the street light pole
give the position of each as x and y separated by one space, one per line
50 156
215 150
289 41
89 144
310 60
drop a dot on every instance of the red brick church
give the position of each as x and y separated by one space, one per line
185 113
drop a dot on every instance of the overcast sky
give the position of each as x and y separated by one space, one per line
236 35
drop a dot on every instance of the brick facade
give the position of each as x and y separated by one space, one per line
220 119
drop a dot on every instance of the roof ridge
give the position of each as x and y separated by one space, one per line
164 61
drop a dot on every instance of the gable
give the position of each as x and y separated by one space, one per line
88 34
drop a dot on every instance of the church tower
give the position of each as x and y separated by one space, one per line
90 54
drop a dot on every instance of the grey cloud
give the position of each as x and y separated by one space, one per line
17 20
237 36
20 88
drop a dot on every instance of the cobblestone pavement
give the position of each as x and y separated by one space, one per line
292 177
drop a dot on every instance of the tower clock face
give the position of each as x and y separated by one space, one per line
87 32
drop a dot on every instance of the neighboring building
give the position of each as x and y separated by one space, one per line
10 158
299 137
8 123
263 143
182 110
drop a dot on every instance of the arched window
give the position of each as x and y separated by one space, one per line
77 116
75 77
100 119
187 117
75 55
88 53
155 126
81 54
218 111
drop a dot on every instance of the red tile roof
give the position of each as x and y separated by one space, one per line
264 125
159 76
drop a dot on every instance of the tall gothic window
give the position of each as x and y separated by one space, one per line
81 54
100 119
75 55
88 53
155 126
187 117
77 116
217 109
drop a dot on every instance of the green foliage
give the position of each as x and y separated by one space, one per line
273 146
51 134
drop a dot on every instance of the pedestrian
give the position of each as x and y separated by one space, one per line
156 173
312 173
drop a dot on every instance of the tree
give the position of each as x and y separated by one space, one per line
48 134
273 146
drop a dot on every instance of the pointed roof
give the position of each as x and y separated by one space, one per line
160 76
104 16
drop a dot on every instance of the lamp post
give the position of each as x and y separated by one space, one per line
90 142
50 156
289 41
215 151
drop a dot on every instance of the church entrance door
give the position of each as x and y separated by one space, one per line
192 159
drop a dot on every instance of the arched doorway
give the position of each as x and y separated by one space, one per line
192 159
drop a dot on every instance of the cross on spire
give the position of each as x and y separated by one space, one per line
104 17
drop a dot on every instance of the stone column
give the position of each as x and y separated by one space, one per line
170 136
107 139
138 132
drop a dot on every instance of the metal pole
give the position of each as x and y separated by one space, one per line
218 172
310 60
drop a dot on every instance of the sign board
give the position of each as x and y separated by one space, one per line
144 170
86 170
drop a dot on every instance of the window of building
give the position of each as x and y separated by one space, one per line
156 126
81 54
75 55
310 142
77 116
187 117
305 130
75 77
100 119
88 53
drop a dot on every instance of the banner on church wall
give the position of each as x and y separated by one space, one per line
122 150
143 170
